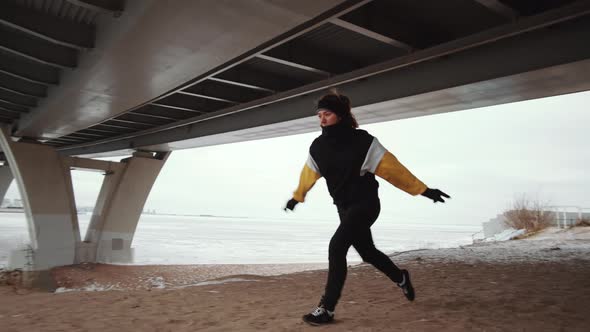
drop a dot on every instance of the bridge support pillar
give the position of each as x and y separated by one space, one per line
6 178
46 190
119 205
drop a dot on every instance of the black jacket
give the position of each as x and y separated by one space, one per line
349 159
339 154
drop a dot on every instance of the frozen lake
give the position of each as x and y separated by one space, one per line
162 239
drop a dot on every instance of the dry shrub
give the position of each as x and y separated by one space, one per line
583 222
529 215
10 277
3 278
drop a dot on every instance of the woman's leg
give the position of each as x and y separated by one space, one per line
364 245
355 223
339 244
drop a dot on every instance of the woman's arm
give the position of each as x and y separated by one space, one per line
382 163
390 169
309 175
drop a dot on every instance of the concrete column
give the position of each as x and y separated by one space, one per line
119 205
46 190
6 178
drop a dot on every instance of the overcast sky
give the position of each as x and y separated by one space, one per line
484 158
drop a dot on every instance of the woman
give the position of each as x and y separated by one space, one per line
349 158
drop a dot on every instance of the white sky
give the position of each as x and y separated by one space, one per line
484 158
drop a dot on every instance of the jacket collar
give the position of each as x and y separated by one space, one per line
339 130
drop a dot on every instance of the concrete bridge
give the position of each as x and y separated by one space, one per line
86 78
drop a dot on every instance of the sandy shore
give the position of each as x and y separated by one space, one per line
540 284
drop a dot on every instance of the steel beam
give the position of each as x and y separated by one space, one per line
98 131
192 103
82 136
115 127
90 164
9 114
21 86
126 124
247 76
208 97
372 34
160 104
499 8
4 87
226 92
148 115
38 50
6 118
17 98
12 106
27 70
68 139
114 7
155 110
50 28
244 85
294 65
131 122
85 134
148 120
4 109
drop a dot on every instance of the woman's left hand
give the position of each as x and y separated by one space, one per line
435 195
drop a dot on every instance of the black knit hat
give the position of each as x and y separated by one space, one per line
336 104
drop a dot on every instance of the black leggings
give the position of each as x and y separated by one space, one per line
355 230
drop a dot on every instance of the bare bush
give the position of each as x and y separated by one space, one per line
10 277
583 222
531 215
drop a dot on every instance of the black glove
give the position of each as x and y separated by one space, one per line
291 204
435 195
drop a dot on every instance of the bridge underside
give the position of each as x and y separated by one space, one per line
517 61
155 76
144 77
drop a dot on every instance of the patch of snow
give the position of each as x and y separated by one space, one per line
89 288
516 251
505 235
215 282
556 233
157 282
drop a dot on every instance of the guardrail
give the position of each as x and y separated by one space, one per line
568 215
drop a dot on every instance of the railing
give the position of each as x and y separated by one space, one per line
568 215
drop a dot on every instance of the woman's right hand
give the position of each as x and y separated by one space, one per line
291 204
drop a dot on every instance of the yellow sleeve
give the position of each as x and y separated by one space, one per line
306 181
394 172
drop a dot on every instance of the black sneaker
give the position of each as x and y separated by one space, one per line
319 316
406 285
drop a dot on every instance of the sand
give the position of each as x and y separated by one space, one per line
540 284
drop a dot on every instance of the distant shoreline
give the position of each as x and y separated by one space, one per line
12 210
193 215
20 210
